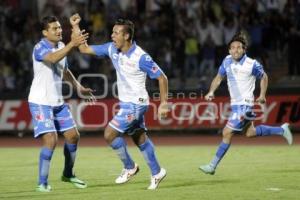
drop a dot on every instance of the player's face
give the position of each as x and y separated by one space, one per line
118 36
236 50
54 32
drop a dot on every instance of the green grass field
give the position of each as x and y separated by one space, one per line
247 172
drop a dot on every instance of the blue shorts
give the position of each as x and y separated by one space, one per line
129 118
240 116
47 119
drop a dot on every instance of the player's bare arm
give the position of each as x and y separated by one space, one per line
263 89
60 54
88 92
163 88
213 87
83 48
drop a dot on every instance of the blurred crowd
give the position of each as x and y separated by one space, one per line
187 38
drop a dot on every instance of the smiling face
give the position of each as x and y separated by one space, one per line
236 50
119 37
53 32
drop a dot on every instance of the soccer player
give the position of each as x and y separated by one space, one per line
50 115
132 65
241 72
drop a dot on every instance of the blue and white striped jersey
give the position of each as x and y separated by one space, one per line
131 68
241 78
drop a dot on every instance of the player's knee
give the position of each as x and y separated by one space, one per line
72 136
139 137
227 134
109 134
75 138
50 140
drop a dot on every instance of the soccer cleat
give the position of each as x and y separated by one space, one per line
43 188
156 179
207 169
287 134
75 181
127 174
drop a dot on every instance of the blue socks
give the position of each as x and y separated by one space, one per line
44 165
70 155
147 150
119 145
223 147
263 130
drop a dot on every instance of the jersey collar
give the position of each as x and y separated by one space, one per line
131 49
48 44
242 60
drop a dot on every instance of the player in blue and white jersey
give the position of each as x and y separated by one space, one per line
50 115
132 65
241 72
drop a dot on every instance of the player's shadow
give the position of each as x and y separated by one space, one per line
194 182
281 171
101 185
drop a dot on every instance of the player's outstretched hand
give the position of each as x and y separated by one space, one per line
261 99
87 94
209 96
78 39
163 110
75 19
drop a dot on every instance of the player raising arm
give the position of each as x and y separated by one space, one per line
50 115
132 65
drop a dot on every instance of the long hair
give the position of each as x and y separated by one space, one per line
239 37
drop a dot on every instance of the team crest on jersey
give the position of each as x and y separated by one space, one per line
235 70
121 61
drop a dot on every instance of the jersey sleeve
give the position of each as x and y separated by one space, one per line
257 70
147 65
40 51
102 49
222 70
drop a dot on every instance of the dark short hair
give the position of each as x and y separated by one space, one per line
128 26
46 21
239 37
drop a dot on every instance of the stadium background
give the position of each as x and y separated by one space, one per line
188 39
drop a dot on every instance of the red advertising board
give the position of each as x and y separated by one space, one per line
186 113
